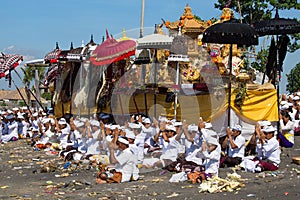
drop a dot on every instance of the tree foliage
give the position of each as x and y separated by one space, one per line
261 60
293 79
254 10
29 76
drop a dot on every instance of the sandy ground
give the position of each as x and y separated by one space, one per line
21 178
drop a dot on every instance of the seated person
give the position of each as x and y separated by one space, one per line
63 131
170 148
286 135
235 143
250 146
123 161
268 149
94 138
210 153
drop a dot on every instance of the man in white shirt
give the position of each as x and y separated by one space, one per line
268 149
170 147
134 149
94 137
211 153
12 126
63 131
123 161
78 136
235 143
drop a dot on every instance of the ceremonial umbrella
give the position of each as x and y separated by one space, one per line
230 32
277 26
154 41
112 50
52 57
8 63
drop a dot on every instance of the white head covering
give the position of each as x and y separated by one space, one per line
62 121
171 128
113 127
177 123
129 134
208 125
122 140
162 119
284 107
296 98
269 129
283 102
147 121
134 125
95 123
79 124
24 108
212 140
20 116
237 127
192 128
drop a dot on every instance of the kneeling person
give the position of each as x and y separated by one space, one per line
124 162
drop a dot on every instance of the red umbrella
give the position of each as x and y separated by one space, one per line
8 63
112 50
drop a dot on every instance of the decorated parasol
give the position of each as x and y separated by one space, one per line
112 50
277 52
154 41
8 63
52 57
230 32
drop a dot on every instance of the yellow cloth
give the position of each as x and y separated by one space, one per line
257 105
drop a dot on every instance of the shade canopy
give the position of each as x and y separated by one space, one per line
154 41
9 62
52 57
231 32
112 50
277 26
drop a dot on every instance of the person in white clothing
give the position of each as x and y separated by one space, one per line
170 147
94 137
63 131
235 143
79 137
12 127
134 149
123 161
211 151
22 126
268 149
286 134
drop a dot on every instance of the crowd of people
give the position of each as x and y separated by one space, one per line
122 149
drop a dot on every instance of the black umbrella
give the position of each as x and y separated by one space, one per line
230 32
278 26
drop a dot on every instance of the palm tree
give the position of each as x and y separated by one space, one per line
29 75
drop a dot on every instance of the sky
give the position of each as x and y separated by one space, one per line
32 27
